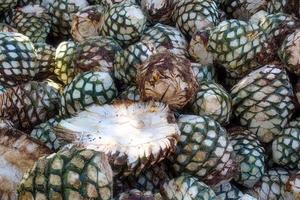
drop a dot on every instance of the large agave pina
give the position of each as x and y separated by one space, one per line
17 155
133 135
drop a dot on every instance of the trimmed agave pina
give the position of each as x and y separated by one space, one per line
130 133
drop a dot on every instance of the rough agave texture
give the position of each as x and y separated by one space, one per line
96 54
7 5
125 22
227 191
46 59
7 28
212 100
204 150
168 78
263 101
18 59
87 89
64 66
71 173
133 135
289 52
293 185
127 62
286 148
45 134
88 22
17 154
158 10
243 9
187 187
131 93
198 48
29 104
295 123
273 186
137 194
2 89
250 156
192 15
203 72
276 6
166 37
62 12
150 179
32 21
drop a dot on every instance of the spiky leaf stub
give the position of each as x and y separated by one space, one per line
18 59
96 54
61 12
289 52
29 104
87 89
64 66
273 185
158 10
127 62
125 22
168 78
32 21
204 150
286 147
249 154
192 15
133 135
71 173
187 187
166 37
227 191
263 101
212 100
17 154
88 22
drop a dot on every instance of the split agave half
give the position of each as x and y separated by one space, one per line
133 135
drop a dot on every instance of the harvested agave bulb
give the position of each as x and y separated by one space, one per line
88 22
227 191
193 15
96 54
273 186
250 156
198 48
87 89
204 150
29 104
62 12
32 21
137 194
18 154
166 37
133 135
289 52
125 22
64 66
212 100
18 59
71 173
168 78
263 101
127 62
187 187
46 60
158 10
286 147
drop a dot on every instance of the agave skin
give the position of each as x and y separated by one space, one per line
45 59
227 191
74 173
149 133
159 10
137 194
168 78
18 152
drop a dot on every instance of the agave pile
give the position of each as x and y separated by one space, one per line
150 99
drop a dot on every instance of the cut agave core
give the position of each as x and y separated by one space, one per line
133 135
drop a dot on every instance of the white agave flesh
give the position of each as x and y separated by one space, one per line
18 154
135 130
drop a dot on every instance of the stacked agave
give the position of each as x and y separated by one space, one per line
149 99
